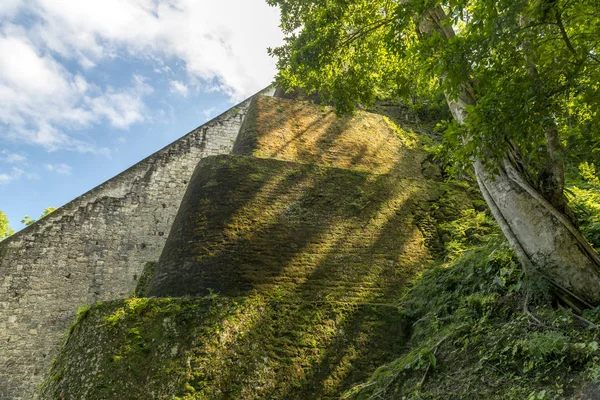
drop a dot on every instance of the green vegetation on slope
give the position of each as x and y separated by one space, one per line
481 329
584 194
472 337
257 347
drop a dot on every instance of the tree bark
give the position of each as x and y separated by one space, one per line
551 179
543 237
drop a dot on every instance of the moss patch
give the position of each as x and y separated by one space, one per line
148 273
259 347
312 134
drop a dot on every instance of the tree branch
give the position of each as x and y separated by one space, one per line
563 33
358 34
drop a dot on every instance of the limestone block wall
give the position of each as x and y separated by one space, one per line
307 133
251 225
306 200
93 248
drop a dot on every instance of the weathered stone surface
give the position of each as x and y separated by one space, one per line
342 216
302 132
93 248
317 201
253 348
249 225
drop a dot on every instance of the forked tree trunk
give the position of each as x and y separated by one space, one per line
544 238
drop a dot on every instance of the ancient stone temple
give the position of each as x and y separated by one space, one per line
259 256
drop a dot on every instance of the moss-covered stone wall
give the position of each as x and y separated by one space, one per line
257 347
320 201
249 224
307 133
310 329
294 251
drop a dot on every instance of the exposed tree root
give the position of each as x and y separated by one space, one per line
529 314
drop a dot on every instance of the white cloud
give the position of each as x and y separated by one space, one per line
9 7
41 101
122 108
208 113
61 169
14 174
12 158
179 88
221 46
5 178
224 40
33 86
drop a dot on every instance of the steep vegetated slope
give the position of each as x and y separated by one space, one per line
480 329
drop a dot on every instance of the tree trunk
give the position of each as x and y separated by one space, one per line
543 237
545 240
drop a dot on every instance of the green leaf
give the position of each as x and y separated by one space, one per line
432 360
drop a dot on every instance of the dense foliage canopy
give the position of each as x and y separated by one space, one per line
531 64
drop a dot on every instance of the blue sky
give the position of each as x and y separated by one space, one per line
90 87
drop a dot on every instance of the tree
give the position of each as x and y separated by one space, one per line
27 220
519 77
5 229
48 211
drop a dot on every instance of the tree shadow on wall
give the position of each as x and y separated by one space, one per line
310 134
328 251
316 256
